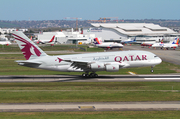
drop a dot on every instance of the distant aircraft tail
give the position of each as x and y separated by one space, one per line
134 39
28 48
31 38
97 41
162 40
52 39
175 41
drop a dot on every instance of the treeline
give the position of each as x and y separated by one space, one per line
80 23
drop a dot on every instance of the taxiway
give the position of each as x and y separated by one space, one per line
97 106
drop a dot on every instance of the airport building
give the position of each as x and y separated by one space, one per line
66 37
9 30
144 32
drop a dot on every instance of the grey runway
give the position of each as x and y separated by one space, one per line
101 106
101 78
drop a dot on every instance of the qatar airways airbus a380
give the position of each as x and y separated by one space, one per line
88 63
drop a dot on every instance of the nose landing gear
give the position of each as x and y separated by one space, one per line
152 69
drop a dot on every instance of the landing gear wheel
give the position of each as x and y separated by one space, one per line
95 75
91 75
85 75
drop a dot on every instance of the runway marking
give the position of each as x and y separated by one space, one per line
132 73
86 107
159 75
162 78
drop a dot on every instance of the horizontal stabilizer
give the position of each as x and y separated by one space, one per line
28 63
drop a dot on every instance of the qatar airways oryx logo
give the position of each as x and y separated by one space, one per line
59 59
27 48
130 58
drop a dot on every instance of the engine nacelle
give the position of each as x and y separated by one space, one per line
112 68
104 67
95 66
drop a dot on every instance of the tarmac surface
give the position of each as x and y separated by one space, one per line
101 78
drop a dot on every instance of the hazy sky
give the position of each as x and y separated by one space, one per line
88 9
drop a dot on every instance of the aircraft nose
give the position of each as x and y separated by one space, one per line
158 60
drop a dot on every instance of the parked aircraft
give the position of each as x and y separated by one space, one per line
147 44
150 43
44 42
5 42
128 41
107 45
91 62
161 45
174 45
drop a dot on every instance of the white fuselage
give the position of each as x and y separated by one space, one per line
110 45
5 42
165 45
119 59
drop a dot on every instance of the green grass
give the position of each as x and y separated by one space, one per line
46 47
93 115
88 92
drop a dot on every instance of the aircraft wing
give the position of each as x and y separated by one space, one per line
80 64
84 65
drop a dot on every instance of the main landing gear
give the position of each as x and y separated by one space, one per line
93 74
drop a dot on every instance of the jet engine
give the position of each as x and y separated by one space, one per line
105 67
112 68
95 66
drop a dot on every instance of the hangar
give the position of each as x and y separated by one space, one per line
122 31
66 37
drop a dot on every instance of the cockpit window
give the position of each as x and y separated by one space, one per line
155 56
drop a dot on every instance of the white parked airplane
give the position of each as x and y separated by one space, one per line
5 42
128 41
108 45
161 45
173 45
44 42
91 62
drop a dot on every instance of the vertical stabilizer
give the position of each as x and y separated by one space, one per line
97 41
175 41
52 39
28 48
